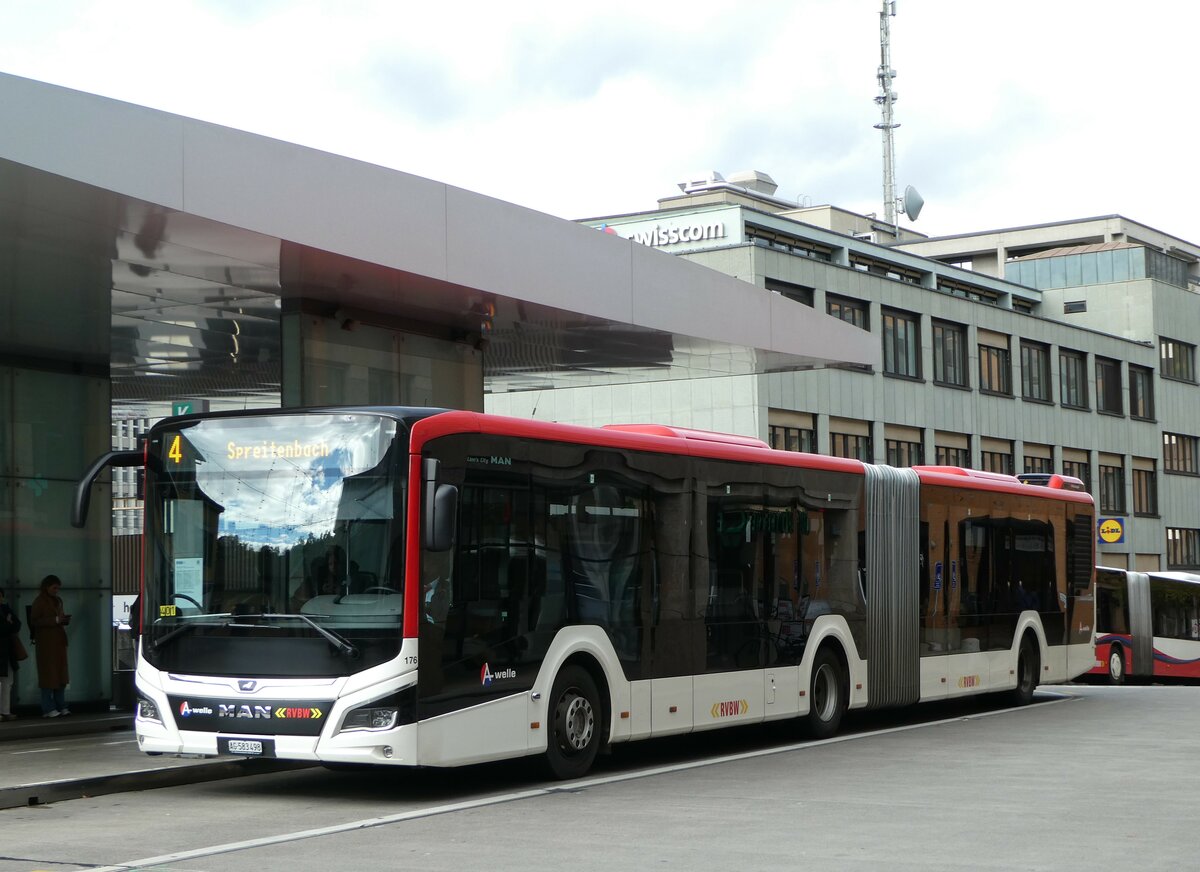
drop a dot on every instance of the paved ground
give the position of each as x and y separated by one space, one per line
52 760
1099 778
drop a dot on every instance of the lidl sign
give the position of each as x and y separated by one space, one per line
1110 531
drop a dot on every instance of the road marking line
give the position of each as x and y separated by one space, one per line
36 751
402 817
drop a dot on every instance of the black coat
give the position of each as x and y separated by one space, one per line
10 627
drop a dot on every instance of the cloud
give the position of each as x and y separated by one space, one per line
1046 109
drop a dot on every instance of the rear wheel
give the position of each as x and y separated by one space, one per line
574 724
826 696
1029 668
1116 665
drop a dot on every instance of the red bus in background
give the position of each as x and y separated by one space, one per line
1147 625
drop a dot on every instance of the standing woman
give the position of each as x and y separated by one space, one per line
10 639
49 623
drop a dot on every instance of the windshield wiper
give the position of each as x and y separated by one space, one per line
187 627
340 641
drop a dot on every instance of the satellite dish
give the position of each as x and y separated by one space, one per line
912 203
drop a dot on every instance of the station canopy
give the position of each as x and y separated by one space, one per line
200 238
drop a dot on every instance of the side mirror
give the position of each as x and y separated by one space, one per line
83 490
441 510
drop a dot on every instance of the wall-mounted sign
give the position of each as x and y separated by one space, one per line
658 235
1110 531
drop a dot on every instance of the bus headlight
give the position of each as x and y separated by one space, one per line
370 718
383 714
147 710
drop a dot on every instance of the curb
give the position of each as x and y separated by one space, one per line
74 725
45 792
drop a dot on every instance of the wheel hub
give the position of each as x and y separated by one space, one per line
578 722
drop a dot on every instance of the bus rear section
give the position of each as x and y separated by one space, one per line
1147 626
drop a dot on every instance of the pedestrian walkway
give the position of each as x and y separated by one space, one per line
45 760
34 726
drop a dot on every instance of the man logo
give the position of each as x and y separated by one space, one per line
246 685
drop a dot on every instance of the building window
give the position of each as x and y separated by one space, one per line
900 453
1145 492
851 311
793 439
799 293
1183 548
1108 386
864 263
1177 360
1079 469
995 370
1035 372
1072 379
850 445
996 461
1141 393
1112 489
1039 464
1179 453
949 354
901 344
947 456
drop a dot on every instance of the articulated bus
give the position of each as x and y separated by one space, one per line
1147 625
435 588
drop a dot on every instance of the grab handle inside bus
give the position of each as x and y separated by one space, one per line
83 490
441 509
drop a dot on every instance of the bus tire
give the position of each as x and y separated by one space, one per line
574 716
1116 665
826 695
1029 667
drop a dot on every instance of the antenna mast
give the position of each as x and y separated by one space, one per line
885 100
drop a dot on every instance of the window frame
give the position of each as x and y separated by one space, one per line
944 352
1111 499
901 346
1078 368
1108 386
995 363
1141 393
1039 352
1183 360
859 311
1180 454
1145 492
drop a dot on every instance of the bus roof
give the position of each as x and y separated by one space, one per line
720 446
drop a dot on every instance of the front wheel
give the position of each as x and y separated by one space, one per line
1116 665
574 724
826 696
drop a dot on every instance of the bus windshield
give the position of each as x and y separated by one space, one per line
273 545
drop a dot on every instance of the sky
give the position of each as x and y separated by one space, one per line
1012 112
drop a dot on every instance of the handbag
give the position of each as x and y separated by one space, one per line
18 649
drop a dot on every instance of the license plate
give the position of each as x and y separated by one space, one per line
246 747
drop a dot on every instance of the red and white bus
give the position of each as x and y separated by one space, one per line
436 588
1147 625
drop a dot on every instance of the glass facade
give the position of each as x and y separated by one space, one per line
54 420
1097 268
